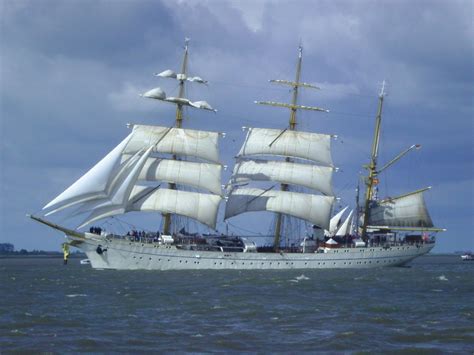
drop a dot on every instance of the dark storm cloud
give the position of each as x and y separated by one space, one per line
89 29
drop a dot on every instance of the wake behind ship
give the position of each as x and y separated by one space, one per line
176 172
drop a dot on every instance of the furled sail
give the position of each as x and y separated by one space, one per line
404 211
311 176
288 143
159 94
171 74
313 208
199 206
187 142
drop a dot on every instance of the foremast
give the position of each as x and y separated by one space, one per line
180 102
178 123
291 126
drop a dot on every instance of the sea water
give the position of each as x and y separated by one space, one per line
427 307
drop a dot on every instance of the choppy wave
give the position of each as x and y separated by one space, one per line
427 307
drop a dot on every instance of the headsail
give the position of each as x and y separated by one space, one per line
345 228
334 222
106 189
93 184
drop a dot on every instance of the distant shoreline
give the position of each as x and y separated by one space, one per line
42 256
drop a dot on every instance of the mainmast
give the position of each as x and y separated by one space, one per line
179 122
372 167
291 126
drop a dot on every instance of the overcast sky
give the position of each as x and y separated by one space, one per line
71 72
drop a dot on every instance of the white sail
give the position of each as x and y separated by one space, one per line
199 175
187 142
404 211
199 206
334 222
160 94
352 227
167 74
116 202
313 208
296 144
92 184
128 167
311 176
171 74
346 226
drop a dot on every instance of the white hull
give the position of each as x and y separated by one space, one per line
121 254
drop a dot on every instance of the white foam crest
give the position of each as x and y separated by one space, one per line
77 295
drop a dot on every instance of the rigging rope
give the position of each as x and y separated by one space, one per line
246 230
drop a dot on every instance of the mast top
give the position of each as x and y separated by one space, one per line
382 90
182 77
296 84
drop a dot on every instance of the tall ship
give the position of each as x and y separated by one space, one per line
176 172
